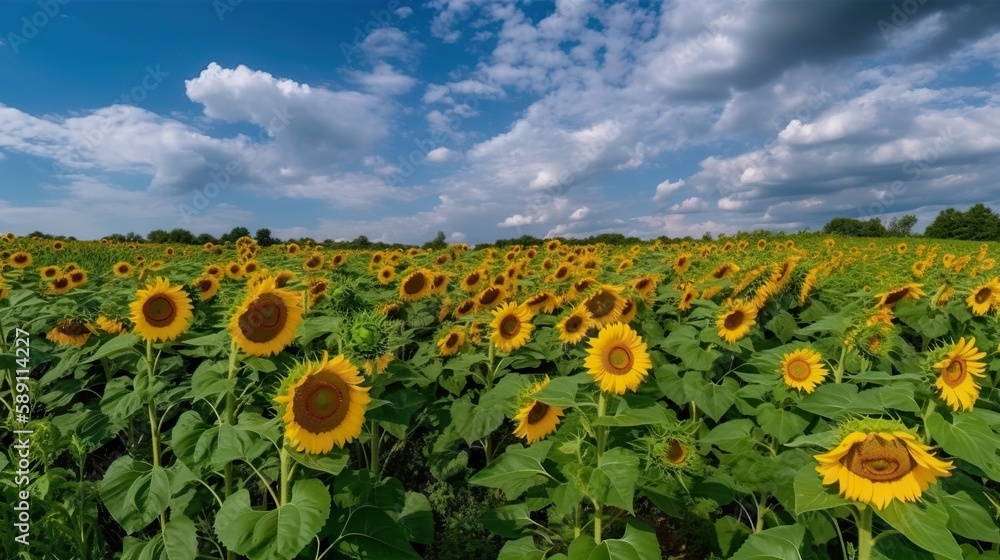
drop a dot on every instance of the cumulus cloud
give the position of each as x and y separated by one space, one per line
441 155
666 188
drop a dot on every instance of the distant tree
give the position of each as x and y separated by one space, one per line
855 228
873 228
264 238
204 238
116 237
437 243
181 235
234 234
900 227
158 236
133 237
361 241
978 223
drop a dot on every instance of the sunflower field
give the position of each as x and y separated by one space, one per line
799 397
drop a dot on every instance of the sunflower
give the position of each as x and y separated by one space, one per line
573 328
250 267
472 281
267 320
617 359
906 291
543 302
878 466
605 305
918 269
490 297
69 331
60 285
511 327
681 264
645 286
77 277
161 311
283 278
49 272
207 286
983 297
629 311
439 284
415 286
314 262
386 275
464 308
803 370
687 297
449 344
20 259
323 404
735 322
234 270
337 259
535 419
109 325
374 367
58 245
292 248
956 371
122 269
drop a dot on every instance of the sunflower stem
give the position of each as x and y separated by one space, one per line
230 419
601 432
865 542
838 374
931 405
375 450
286 475
154 425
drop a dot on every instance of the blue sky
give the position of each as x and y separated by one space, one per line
493 118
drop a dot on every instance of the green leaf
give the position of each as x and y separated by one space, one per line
184 437
780 424
516 470
638 543
521 549
417 518
508 521
474 423
966 517
731 533
121 344
812 495
732 436
278 534
783 326
370 533
181 542
613 481
924 525
969 438
780 543
561 392
671 384
332 463
135 493
120 401
714 400
210 379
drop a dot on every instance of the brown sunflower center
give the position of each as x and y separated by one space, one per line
321 402
250 267
721 271
60 283
415 284
798 370
159 310
313 262
451 341
601 304
562 272
489 296
537 412
676 452
642 284
20 258
472 279
879 459
76 276
234 269
983 295
733 320
465 307
123 269
573 324
264 318
619 360
539 299
50 272
510 326
205 285
896 295
74 328
955 373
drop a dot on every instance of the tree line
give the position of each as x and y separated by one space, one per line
978 223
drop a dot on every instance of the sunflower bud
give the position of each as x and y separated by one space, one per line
369 336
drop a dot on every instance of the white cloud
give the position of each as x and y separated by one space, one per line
404 12
441 155
517 220
666 188
390 42
692 204
580 213
384 80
